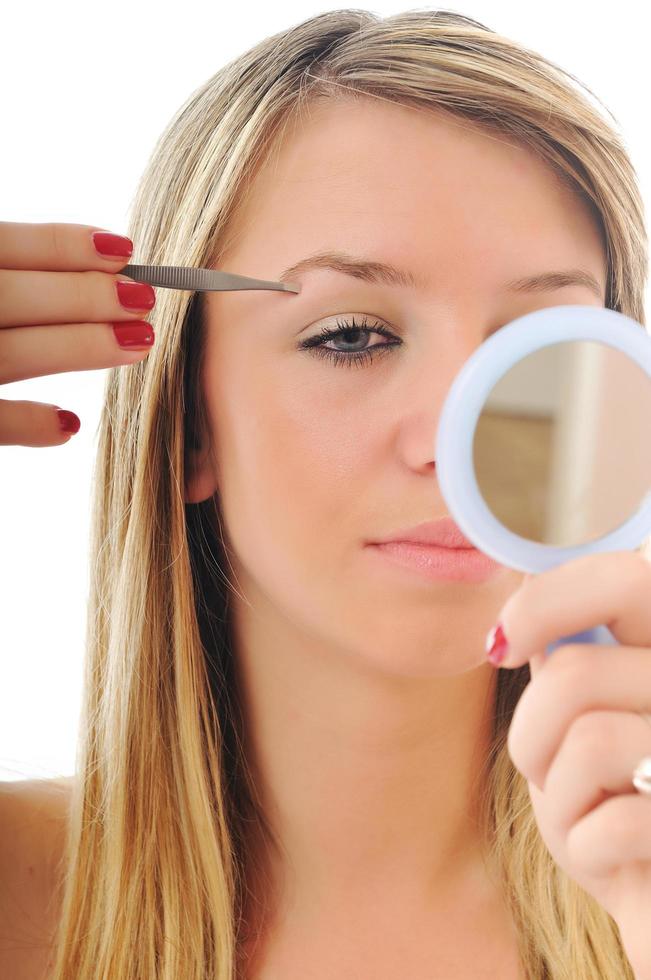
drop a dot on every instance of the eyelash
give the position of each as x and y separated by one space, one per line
358 358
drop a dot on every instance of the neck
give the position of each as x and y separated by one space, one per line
369 783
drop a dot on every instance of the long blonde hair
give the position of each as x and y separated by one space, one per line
153 879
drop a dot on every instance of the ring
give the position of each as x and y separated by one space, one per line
642 773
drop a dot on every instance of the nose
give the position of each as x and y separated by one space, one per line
422 404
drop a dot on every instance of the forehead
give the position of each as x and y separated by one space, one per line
426 186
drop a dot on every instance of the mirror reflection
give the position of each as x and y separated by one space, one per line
561 451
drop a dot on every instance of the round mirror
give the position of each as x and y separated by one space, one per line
542 449
561 449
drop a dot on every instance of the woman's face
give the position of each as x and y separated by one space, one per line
313 459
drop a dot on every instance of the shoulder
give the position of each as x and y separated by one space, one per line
33 823
33 820
28 797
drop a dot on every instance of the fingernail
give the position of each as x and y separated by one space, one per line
68 421
135 295
112 246
136 334
496 645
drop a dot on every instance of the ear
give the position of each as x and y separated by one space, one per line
200 478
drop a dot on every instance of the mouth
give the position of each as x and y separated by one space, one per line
435 562
443 533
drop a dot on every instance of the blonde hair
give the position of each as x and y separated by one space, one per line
153 879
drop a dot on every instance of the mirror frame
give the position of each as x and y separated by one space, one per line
464 404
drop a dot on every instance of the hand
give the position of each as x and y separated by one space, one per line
576 735
63 307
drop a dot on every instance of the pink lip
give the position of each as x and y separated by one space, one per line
435 563
444 533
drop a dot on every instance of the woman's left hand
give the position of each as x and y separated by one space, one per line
576 734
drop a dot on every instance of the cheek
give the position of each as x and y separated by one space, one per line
290 452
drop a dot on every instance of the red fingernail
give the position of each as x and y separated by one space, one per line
496 645
68 421
112 246
138 334
135 295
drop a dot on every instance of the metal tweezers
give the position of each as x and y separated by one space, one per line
205 280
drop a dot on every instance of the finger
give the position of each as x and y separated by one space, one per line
30 298
24 423
57 246
617 833
610 588
30 352
576 680
595 761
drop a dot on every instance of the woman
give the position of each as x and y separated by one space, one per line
293 754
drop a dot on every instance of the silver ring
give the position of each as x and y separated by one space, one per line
642 772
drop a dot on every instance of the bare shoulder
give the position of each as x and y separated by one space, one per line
33 823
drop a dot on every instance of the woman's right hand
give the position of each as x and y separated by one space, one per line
60 311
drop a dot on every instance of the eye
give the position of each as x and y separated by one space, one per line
351 331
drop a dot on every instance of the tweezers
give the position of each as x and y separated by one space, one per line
205 280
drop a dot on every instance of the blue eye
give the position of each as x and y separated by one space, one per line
316 344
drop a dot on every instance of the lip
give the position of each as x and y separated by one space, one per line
433 562
443 533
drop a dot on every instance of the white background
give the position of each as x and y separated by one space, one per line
87 89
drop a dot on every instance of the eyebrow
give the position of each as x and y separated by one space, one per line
383 272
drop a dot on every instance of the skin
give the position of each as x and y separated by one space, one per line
577 732
367 696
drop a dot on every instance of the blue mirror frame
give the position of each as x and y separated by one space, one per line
463 406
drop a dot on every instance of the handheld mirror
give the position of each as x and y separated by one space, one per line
542 450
